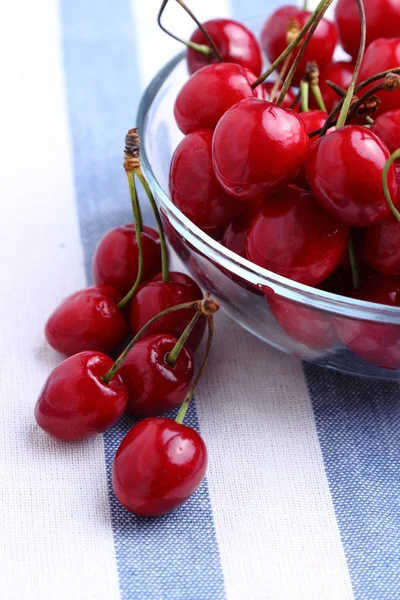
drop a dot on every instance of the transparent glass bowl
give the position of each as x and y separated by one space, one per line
347 335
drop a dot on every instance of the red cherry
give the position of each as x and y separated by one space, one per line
387 128
313 120
383 21
208 94
382 246
193 186
378 343
338 72
287 101
235 234
156 296
381 55
311 327
293 236
158 466
344 171
115 261
258 147
320 48
87 320
235 43
154 386
75 403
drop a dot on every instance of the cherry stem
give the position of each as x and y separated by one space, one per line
357 105
304 91
164 252
138 231
305 5
386 191
319 13
351 91
183 409
274 92
201 48
336 88
172 356
295 101
206 306
289 49
355 273
316 90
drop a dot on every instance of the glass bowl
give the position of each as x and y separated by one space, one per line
347 335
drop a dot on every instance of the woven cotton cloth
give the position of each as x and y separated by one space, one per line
301 500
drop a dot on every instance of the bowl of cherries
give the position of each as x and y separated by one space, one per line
277 174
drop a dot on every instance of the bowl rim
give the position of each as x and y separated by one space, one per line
232 262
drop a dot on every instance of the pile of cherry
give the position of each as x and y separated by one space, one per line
161 462
299 174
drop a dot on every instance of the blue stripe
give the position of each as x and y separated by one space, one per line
358 422
175 557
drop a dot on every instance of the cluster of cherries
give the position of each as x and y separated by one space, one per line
160 462
301 179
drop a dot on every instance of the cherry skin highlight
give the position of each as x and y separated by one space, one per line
320 48
381 55
293 236
155 296
75 403
257 148
193 186
383 21
87 320
158 466
377 343
154 386
115 261
387 128
208 94
344 171
235 43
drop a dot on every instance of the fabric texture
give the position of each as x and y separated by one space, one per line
301 499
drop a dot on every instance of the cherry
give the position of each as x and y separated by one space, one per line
236 44
208 94
387 128
313 120
339 73
293 236
377 343
115 261
154 385
383 21
320 48
289 99
87 320
257 147
381 55
75 403
193 186
158 466
382 246
344 171
155 296
235 234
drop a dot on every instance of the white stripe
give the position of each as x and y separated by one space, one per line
275 523
55 529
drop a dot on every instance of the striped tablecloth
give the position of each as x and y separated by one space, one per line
301 500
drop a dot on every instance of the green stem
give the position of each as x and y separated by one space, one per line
289 49
305 5
172 356
183 409
138 230
118 363
386 191
351 91
319 13
316 90
164 252
201 48
304 91
353 263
